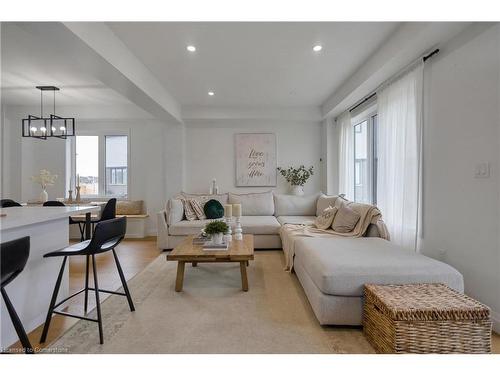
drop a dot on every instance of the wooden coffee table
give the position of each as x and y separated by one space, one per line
186 252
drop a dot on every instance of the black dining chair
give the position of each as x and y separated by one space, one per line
14 255
5 203
108 213
81 224
107 235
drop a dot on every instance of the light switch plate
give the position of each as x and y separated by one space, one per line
482 170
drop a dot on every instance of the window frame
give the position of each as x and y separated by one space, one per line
367 115
101 134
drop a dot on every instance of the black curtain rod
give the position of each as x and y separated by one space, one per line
424 59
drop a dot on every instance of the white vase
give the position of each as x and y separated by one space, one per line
44 197
217 238
297 190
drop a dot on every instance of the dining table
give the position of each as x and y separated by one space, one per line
30 292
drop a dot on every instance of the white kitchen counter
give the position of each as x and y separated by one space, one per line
30 292
27 215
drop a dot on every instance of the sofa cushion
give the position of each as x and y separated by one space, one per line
213 209
254 204
197 207
324 221
296 219
325 201
341 266
175 211
249 224
188 210
292 205
345 220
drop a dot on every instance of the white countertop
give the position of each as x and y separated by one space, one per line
21 216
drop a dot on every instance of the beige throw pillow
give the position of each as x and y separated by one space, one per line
345 220
197 207
188 210
324 221
325 201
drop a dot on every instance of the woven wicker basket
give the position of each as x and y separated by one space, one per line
425 318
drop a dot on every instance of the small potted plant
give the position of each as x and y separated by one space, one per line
297 177
216 229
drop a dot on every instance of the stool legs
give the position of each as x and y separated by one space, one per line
53 302
124 282
85 305
21 333
98 303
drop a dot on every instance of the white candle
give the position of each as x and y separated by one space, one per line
228 210
77 182
237 210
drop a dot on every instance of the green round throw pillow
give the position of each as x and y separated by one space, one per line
213 209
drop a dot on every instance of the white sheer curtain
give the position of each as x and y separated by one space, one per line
346 155
399 154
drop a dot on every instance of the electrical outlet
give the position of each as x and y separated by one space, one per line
482 170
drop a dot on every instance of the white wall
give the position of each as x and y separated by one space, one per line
25 157
461 213
151 146
210 151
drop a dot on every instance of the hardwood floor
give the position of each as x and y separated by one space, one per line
134 256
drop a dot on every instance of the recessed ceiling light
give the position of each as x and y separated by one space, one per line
191 48
211 93
317 48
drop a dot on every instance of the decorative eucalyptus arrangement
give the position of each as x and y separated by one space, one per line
297 176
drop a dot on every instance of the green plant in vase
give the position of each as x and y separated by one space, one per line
297 177
216 229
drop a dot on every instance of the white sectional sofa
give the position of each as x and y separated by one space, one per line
263 216
332 270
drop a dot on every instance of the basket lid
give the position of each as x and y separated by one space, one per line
425 302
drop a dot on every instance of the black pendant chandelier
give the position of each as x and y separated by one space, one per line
45 127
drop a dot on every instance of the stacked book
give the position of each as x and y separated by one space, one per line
208 245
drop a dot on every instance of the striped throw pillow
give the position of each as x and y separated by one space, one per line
197 208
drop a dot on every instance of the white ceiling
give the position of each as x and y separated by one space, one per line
248 65
252 64
27 63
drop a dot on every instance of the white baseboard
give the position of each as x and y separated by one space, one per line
495 318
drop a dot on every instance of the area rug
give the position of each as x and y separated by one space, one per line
212 314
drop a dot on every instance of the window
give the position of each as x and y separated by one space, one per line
365 157
116 165
87 164
101 164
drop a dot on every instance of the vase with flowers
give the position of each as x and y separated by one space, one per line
44 179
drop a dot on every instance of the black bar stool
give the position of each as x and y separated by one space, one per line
5 203
81 224
108 213
107 235
14 255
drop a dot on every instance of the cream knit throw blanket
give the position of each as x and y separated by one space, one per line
369 215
